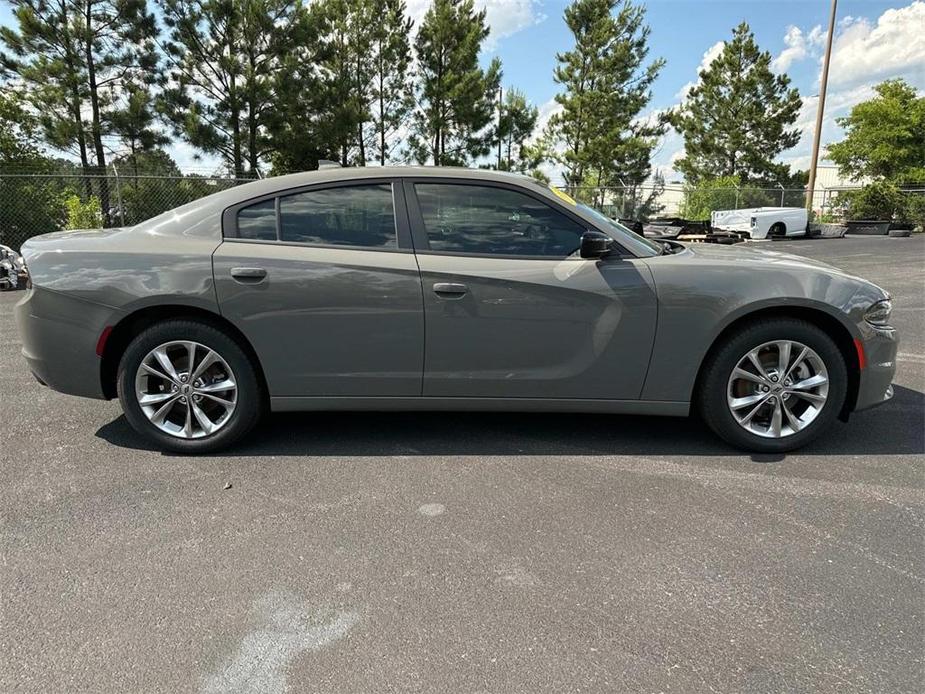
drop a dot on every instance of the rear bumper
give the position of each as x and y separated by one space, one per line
59 336
875 386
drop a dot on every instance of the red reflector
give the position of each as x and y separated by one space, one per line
101 343
862 358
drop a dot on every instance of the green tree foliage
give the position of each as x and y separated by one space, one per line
347 59
157 187
136 126
739 118
885 136
456 97
224 57
28 205
881 200
605 87
304 129
74 58
516 124
721 193
83 214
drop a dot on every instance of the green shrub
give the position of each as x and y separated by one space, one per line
880 200
83 215
915 210
723 193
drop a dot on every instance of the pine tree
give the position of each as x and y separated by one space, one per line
305 129
392 94
456 96
136 125
75 57
349 64
738 119
606 86
223 56
515 126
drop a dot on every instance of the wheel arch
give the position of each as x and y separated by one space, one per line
132 324
831 325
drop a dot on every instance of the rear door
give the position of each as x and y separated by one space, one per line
324 283
511 310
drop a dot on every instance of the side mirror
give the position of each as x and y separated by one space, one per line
594 244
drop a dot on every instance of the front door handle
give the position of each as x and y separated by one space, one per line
248 275
450 290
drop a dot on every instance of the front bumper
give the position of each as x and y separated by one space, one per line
59 336
875 385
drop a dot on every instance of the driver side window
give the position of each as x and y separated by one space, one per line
484 220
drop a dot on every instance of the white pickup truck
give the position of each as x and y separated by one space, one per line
761 222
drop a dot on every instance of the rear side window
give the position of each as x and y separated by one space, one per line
258 221
342 216
486 220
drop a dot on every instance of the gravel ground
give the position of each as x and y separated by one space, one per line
465 552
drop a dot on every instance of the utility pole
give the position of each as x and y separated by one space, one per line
820 111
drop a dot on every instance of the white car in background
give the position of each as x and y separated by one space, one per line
761 222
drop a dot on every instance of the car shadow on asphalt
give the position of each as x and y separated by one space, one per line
895 428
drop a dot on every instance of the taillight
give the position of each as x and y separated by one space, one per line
101 343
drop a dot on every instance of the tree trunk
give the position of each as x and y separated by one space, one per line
96 127
252 120
81 143
237 156
381 109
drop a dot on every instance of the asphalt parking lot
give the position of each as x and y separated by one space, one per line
468 553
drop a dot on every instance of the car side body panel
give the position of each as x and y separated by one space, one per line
530 328
704 289
327 321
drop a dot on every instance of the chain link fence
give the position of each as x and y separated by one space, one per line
696 203
38 203
34 203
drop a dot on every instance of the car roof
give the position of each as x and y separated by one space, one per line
329 174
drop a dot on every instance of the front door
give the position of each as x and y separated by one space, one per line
512 311
324 284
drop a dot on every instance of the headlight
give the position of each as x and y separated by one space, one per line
879 313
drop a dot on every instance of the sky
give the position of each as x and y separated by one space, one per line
874 40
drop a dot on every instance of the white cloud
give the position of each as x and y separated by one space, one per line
893 47
799 46
504 17
711 54
796 50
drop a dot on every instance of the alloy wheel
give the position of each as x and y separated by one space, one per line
778 389
186 389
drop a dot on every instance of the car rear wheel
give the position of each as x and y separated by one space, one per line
773 386
188 387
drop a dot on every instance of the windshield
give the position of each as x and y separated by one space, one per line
628 238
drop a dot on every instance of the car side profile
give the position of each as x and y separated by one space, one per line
440 288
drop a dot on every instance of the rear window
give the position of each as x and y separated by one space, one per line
258 222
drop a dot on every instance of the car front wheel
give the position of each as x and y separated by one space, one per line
188 387
773 386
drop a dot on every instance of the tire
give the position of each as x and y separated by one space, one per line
777 230
719 390
231 423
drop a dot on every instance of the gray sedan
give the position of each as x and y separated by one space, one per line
449 289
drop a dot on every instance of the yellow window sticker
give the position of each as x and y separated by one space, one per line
563 196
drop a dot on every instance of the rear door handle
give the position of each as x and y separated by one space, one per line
450 290
248 275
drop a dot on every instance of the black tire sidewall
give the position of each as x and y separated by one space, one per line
249 404
712 401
